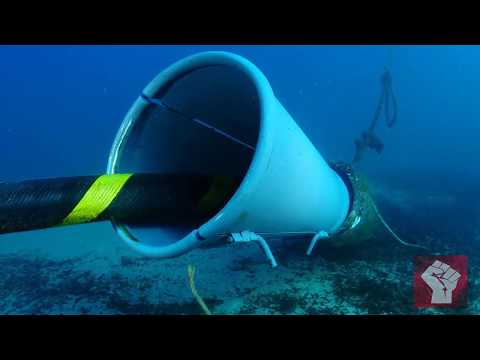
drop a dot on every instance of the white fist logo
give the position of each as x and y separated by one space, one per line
442 279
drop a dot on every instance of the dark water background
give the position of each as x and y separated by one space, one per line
60 107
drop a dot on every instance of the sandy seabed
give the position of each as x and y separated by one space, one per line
88 270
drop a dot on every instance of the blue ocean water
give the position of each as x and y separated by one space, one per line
61 107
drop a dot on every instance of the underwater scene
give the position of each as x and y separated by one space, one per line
239 180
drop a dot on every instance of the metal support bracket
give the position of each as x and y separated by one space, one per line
320 235
248 236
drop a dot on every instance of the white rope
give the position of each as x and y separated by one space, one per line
396 237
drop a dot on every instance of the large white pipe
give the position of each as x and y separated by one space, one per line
213 113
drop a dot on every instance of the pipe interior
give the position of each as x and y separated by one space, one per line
188 130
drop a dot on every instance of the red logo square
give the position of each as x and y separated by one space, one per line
440 281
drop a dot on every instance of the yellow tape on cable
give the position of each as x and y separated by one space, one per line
97 198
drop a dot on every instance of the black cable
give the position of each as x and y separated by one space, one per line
157 199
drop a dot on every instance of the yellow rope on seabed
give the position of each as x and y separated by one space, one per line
191 278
